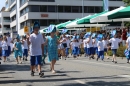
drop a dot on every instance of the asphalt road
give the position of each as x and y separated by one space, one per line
70 72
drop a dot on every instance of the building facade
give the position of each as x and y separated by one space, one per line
53 11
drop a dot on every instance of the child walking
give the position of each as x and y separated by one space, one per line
18 50
100 49
4 48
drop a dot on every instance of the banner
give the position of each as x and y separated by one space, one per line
105 5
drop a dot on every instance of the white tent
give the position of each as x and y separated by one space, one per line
104 17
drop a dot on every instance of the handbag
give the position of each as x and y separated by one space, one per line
126 53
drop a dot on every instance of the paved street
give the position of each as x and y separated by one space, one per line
70 72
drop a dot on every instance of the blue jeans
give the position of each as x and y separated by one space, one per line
101 54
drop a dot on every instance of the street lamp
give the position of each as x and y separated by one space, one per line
82 8
57 13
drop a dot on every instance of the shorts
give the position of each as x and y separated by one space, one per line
101 54
64 45
25 52
35 60
105 50
9 50
94 50
17 53
114 51
5 53
89 50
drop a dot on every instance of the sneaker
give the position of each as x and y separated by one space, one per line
115 62
32 73
128 62
41 74
26 60
97 59
112 61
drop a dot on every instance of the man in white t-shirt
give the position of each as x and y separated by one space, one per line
128 47
25 48
35 40
114 46
9 40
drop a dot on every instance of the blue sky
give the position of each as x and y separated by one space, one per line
2 3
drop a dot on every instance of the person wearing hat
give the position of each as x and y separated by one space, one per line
52 47
18 50
35 40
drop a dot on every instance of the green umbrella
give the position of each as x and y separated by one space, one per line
62 25
124 13
86 20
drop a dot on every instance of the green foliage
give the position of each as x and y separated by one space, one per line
127 2
120 52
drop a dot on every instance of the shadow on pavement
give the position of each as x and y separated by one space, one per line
95 83
100 83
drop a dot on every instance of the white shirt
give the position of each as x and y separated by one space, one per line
64 39
4 45
84 43
35 46
128 41
100 44
68 43
75 44
25 45
115 43
89 45
9 40
105 43
95 42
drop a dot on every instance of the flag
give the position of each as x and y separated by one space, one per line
105 5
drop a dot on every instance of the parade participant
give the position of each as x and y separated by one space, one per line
100 48
105 45
52 47
0 48
9 40
80 39
35 40
128 47
85 47
4 48
25 48
75 45
68 46
95 48
18 50
114 46
89 47
45 49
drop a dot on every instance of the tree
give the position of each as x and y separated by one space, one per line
127 2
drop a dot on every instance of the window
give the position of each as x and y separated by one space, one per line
91 10
60 8
6 19
13 18
34 8
13 8
67 8
75 9
51 21
98 9
43 22
51 9
43 8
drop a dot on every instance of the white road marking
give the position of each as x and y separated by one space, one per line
104 64
79 81
124 76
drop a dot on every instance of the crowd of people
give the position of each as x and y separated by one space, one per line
54 46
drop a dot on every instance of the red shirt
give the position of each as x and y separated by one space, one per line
124 35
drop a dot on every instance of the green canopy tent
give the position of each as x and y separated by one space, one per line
124 13
87 20
62 25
